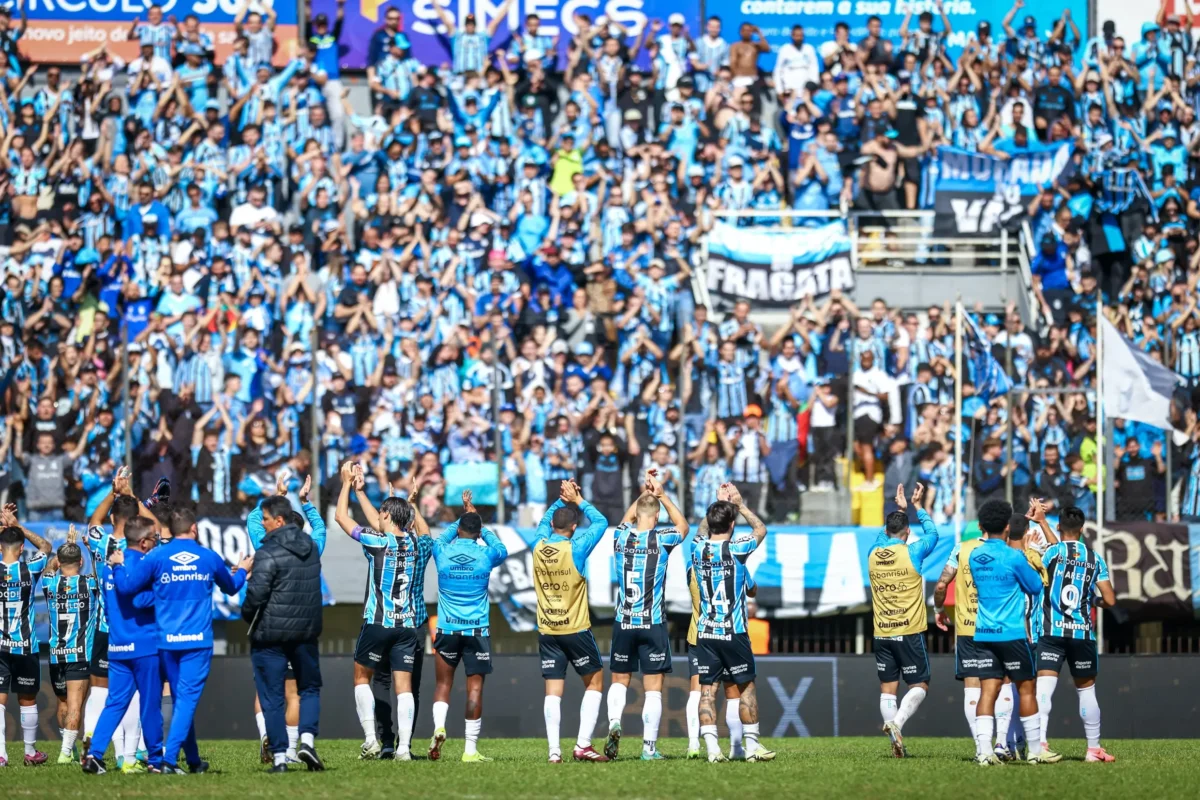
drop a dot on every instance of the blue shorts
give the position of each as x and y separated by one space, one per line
577 648
966 658
1013 659
379 647
640 648
472 648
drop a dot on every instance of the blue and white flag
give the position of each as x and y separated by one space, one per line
990 378
775 267
979 194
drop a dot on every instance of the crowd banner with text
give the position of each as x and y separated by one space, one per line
62 31
775 267
430 45
775 19
1151 565
979 194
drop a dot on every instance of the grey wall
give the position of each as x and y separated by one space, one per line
1145 697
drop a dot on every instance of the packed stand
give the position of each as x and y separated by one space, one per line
492 264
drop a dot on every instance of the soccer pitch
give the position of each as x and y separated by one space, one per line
845 767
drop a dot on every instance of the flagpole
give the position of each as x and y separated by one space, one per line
958 422
1101 478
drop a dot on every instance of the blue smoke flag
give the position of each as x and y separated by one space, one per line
990 378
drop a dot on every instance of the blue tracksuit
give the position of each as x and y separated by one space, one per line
1002 578
182 574
464 567
132 665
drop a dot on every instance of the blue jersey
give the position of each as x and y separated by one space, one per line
101 544
182 574
722 577
641 563
71 605
1073 570
464 568
133 632
396 577
18 636
1003 577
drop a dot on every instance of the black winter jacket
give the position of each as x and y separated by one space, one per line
283 595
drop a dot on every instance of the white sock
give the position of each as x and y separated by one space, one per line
141 738
68 739
651 717
985 726
751 736
131 726
308 739
733 720
887 707
1089 712
909 705
1045 700
364 703
970 700
1033 733
552 711
616 702
260 720
589 712
709 734
474 726
693 720
97 697
3 736
293 732
118 740
281 759
405 706
1003 714
29 721
440 710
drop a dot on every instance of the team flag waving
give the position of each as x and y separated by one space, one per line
990 378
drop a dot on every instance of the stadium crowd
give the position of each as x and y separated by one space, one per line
210 265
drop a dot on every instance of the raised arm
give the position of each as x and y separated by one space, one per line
342 514
678 518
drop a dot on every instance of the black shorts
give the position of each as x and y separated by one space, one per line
577 648
645 649
21 675
865 430
966 658
1013 659
64 672
902 657
729 660
398 648
1078 654
289 674
98 666
472 648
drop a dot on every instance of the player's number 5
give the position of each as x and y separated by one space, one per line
633 590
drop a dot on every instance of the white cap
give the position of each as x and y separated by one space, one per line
533 55
735 161
676 19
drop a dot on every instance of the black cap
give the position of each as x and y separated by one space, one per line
321 19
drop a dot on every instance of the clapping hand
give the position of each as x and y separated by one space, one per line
72 535
468 506
570 492
918 493
653 486
900 499
305 489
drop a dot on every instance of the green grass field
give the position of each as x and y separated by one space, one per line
850 767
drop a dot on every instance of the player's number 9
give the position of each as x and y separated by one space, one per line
1070 596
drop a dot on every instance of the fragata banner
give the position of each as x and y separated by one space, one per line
775 267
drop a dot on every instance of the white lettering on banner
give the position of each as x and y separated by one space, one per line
790 703
983 216
1033 169
1166 576
556 17
127 8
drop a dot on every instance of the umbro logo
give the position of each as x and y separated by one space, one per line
984 559
884 553
462 559
184 558
549 551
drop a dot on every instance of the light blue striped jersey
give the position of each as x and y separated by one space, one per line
101 544
640 560
395 577
1073 570
722 577
20 578
72 605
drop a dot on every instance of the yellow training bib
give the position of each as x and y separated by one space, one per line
897 592
966 596
562 594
